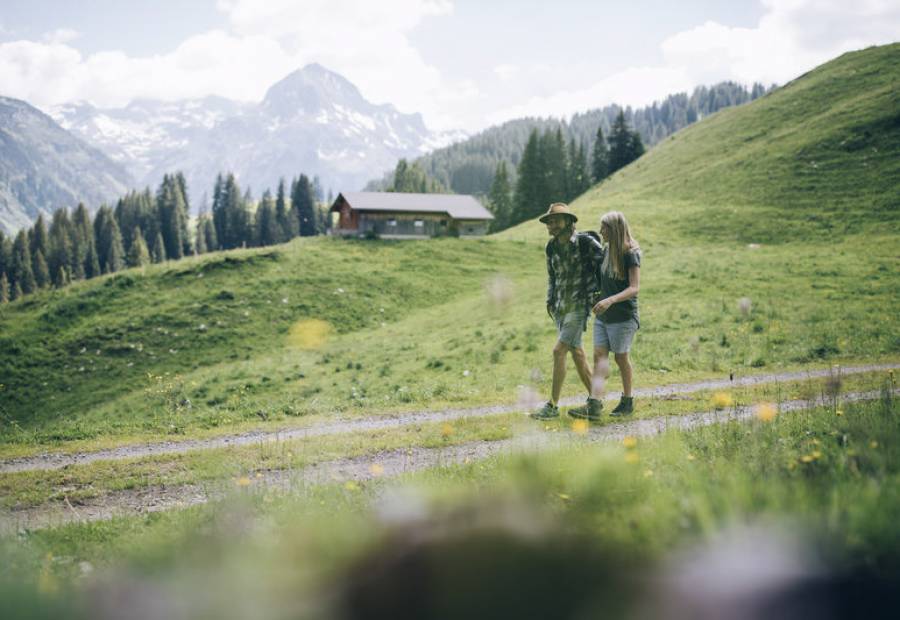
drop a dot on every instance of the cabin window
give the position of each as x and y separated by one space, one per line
419 224
444 223
392 222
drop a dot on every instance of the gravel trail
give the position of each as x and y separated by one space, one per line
58 461
390 463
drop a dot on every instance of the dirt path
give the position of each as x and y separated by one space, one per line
57 461
391 463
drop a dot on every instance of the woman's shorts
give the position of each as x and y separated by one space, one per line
615 337
571 327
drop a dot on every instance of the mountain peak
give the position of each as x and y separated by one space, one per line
309 89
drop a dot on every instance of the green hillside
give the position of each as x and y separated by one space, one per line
789 201
817 157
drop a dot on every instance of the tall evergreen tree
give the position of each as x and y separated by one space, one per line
624 145
84 250
500 198
159 249
302 199
200 243
38 238
22 273
17 292
172 214
209 230
60 258
581 176
528 201
288 228
267 232
600 157
41 273
4 288
138 254
5 254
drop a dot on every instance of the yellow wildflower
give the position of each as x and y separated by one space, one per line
242 481
720 400
309 334
766 412
648 473
873 444
816 454
563 497
632 457
807 458
691 457
351 486
580 427
839 412
446 430
376 469
629 442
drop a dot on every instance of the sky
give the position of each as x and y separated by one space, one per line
462 64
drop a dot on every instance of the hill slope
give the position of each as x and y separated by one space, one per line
819 156
204 343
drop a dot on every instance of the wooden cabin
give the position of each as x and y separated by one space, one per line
391 215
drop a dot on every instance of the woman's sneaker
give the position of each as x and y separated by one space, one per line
625 407
548 411
592 410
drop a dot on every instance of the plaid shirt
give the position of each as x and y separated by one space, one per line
571 269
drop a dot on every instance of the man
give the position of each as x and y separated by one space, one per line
571 269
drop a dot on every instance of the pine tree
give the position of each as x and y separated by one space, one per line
115 258
200 243
85 263
60 258
138 254
172 216
624 145
22 273
5 254
38 238
266 222
209 230
61 278
17 292
4 288
41 272
528 200
282 217
159 249
581 176
600 159
302 199
500 198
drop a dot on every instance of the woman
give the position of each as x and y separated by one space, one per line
617 309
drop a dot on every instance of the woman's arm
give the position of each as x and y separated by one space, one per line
634 285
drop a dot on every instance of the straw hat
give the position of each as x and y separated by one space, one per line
558 208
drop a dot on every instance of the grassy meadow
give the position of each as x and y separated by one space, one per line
770 242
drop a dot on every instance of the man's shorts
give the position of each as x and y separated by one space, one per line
571 328
615 337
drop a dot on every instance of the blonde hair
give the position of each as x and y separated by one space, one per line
620 241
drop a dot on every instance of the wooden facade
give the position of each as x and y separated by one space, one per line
405 223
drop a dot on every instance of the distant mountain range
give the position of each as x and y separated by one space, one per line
43 167
313 121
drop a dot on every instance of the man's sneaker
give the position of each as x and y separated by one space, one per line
548 411
591 410
625 407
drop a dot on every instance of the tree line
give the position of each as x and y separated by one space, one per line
469 166
551 170
146 228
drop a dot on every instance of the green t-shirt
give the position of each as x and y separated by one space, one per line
609 286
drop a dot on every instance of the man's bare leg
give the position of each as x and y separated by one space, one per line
581 365
559 370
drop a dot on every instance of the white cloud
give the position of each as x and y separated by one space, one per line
367 42
792 37
61 35
506 72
